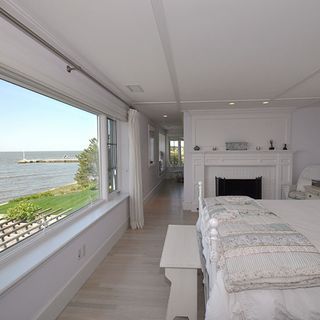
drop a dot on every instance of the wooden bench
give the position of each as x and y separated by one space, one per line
181 259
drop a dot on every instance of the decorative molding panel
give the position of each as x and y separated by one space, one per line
214 129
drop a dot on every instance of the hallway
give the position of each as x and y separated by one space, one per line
128 284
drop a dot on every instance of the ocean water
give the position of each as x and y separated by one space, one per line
18 180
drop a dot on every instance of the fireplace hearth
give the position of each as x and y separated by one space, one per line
239 187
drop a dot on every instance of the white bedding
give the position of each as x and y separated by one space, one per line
294 304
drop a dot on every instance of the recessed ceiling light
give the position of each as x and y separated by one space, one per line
265 102
165 116
232 103
135 88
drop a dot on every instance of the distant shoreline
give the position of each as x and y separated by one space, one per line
62 160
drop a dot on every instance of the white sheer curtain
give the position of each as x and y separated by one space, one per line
135 176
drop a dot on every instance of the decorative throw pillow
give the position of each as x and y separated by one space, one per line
302 182
297 195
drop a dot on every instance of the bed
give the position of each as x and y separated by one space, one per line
258 300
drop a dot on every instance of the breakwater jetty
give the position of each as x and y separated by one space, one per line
63 160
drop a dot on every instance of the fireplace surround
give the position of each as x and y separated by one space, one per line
275 168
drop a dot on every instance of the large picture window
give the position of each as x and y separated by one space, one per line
49 162
112 155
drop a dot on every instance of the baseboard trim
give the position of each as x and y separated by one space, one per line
52 310
151 193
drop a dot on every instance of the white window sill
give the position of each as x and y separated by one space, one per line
29 254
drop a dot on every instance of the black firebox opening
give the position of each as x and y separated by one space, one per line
239 187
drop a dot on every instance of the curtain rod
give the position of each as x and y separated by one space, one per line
51 48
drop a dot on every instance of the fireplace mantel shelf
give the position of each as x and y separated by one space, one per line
262 152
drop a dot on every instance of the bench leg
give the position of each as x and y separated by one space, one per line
183 293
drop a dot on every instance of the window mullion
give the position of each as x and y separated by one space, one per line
179 152
112 149
119 167
103 156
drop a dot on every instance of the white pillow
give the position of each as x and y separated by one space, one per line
302 182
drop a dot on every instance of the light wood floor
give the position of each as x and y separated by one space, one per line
129 285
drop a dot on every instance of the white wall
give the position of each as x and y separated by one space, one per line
150 174
305 139
42 292
188 179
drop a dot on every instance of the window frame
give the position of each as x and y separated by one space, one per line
36 87
117 190
151 128
179 139
165 153
36 250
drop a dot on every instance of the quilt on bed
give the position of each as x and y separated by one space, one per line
255 249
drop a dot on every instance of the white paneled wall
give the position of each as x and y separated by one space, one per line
214 128
150 174
209 129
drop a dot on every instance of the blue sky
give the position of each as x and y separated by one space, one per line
32 122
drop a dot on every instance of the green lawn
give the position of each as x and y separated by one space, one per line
60 200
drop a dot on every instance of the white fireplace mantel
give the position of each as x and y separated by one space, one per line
275 167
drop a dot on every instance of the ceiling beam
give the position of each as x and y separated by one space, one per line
297 84
161 22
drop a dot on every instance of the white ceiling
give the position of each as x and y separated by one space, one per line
191 54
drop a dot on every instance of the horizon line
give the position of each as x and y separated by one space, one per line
39 150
